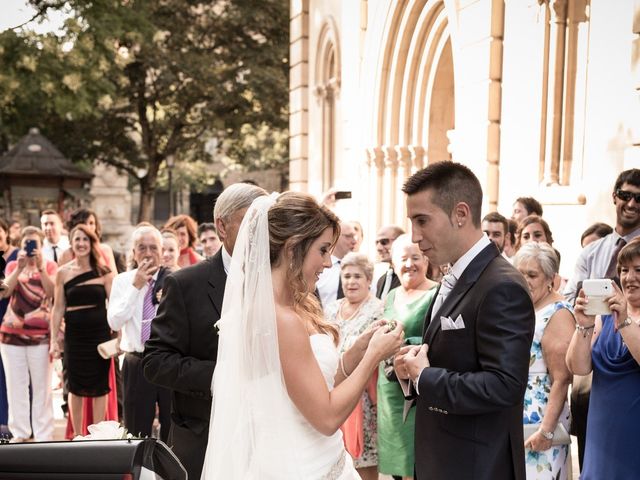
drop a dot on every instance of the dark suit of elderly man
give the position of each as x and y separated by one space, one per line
181 352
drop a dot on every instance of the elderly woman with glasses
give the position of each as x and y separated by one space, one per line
609 346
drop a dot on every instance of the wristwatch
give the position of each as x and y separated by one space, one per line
547 435
626 323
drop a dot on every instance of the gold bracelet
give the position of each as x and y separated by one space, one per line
344 372
584 330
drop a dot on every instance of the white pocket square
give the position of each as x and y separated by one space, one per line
447 323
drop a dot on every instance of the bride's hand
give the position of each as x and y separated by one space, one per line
362 342
384 343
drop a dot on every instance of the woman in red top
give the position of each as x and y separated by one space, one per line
186 228
25 339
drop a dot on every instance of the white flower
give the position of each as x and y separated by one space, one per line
106 430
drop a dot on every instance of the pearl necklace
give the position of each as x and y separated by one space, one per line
355 312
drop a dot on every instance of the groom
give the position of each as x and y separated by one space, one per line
470 374
181 352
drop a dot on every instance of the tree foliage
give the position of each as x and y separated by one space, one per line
132 82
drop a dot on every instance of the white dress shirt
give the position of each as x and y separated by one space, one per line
226 260
328 282
125 310
61 246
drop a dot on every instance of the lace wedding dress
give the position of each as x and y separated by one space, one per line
256 432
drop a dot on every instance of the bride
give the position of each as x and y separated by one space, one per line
280 389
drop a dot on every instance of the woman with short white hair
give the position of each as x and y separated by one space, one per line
545 400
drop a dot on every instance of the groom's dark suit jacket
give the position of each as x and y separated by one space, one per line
469 407
181 354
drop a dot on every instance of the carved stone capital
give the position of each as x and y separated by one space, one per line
404 157
390 156
417 156
375 157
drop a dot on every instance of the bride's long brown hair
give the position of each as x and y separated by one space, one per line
295 222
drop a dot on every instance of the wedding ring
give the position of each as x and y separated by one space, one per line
391 325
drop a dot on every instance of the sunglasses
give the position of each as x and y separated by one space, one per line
383 241
625 195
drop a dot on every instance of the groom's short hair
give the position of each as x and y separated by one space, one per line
451 183
236 197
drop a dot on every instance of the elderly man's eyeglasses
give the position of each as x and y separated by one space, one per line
625 195
383 241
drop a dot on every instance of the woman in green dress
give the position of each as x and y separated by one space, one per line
407 304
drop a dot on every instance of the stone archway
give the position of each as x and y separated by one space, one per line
415 102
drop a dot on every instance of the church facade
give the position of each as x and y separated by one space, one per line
539 97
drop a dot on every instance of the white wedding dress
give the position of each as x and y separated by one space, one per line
256 432
323 457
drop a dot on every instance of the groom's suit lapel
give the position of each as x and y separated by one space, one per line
217 281
463 285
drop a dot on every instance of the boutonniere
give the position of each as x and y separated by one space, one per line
159 295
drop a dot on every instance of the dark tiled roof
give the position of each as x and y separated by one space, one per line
35 155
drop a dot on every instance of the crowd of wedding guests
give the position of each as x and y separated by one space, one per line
67 292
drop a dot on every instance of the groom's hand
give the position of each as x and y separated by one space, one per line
399 364
416 360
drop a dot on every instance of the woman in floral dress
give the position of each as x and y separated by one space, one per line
545 400
353 315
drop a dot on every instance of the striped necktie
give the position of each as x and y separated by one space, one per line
148 312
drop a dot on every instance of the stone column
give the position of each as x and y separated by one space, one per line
298 95
389 184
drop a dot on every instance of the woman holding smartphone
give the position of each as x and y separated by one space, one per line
609 346
25 339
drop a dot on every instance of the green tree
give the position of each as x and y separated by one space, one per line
131 82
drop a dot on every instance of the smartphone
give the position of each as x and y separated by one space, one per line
342 195
30 246
597 291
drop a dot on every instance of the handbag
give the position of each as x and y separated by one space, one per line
108 349
560 434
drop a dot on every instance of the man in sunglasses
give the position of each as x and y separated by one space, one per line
599 260
384 239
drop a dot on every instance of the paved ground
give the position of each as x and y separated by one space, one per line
61 425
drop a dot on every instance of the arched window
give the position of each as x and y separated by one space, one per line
327 90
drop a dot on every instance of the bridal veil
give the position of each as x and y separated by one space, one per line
252 419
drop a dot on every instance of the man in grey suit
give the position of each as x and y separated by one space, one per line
469 376
181 352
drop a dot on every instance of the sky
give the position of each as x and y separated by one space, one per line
16 12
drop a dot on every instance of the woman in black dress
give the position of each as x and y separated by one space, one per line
82 288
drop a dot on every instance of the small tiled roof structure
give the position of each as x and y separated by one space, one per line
35 155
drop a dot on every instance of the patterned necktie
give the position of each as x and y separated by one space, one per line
148 312
612 271
447 284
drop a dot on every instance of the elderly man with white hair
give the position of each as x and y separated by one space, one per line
181 353
132 307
